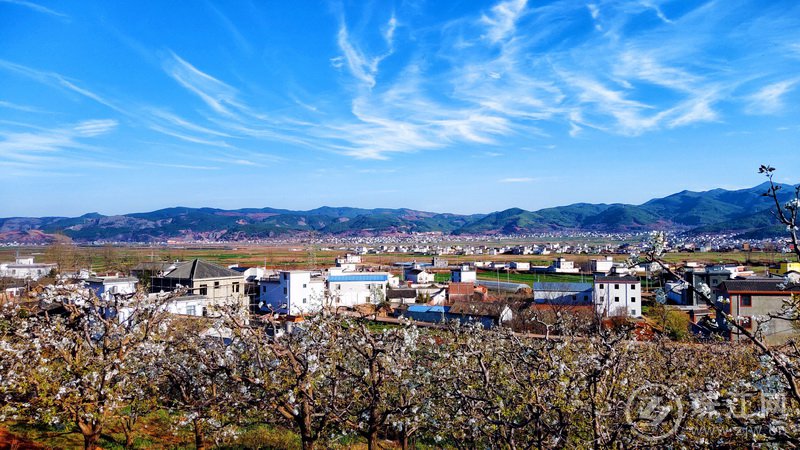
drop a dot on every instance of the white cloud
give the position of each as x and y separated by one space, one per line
36 7
501 22
216 94
31 149
517 180
769 99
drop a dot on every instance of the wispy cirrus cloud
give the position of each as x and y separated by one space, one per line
501 21
769 99
57 81
36 7
33 149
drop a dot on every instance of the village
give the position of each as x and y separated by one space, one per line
506 293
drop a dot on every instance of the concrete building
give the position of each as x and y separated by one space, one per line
602 266
464 274
419 276
25 269
519 265
563 293
562 265
357 288
749 299
220 284
294 292
107 287
618 296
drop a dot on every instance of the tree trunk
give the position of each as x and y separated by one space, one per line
91 434
128 439
372 439
308 443
199 437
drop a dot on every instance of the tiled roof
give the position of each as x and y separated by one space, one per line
197 269
758 285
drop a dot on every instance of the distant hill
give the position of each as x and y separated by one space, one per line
743 211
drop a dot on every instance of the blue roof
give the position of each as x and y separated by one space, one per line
562 287
428 309
353 278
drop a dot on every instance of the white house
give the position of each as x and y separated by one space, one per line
562 265
357 288
106 287
25 268
293 292
618 296
602 266
464 274
191 305
519 265
420 276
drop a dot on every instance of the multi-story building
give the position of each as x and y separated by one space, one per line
757 304
294 292
358 288
618 296
220 284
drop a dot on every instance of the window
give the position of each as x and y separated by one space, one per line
574 298
285 291
746 300
586 298
616 299
190 310
203 289
304 300
601 285
305 285
633 299
216 285
236 287
616 286
633 287
285 276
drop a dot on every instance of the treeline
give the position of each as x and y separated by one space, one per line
84 363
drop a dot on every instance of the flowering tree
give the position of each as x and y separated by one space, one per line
194 378
75 359
290 378
382 379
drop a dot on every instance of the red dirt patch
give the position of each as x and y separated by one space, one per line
10 441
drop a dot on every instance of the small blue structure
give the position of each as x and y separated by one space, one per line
427 313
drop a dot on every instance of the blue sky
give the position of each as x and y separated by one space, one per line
450 106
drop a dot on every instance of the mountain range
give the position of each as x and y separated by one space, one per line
744 211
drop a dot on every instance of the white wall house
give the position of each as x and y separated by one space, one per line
357 288
25 268
602 266
192 305
519 265
464 274
562 265
293 292
107 287
419 276
618 296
